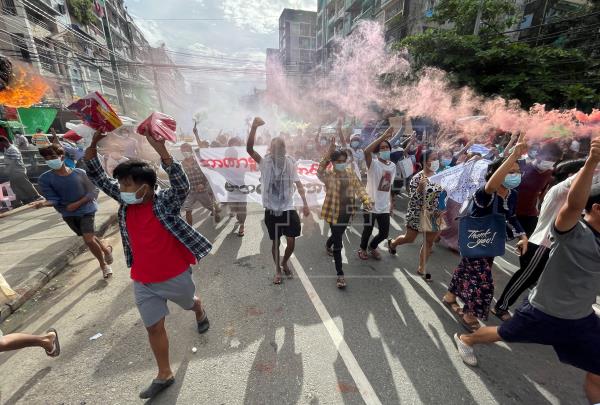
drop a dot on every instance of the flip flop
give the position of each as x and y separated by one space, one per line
277 279
203 325
425 276
286 270
156 387
55 352
452 306
341 283
469 326
501 314
389 246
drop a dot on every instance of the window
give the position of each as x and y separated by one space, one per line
305 30
47 60
8 7
306 56
19 42
305 43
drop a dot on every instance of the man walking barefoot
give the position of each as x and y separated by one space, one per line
160 247
279 173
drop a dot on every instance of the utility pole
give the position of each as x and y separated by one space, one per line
537 38
156 85
478 19
113 61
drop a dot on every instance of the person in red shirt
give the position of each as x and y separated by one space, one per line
535 179
160 247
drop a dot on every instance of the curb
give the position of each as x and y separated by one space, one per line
43 275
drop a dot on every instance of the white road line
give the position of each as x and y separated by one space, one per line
364 386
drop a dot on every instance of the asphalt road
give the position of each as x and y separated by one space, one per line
385 339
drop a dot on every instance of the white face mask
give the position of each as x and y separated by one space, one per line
434 165
545 165
574 146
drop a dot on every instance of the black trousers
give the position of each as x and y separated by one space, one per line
532 265
528 223
335 241
383 223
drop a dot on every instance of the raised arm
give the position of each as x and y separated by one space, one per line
570 213
195 130
497 178
340 133
369 150
251 138
96 172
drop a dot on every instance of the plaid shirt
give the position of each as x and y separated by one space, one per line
167 206
194 174
333 192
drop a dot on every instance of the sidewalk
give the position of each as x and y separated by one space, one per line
36 245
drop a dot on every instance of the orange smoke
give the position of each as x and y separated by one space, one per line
24 90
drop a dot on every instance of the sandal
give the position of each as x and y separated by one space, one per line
108 257
375 254
286 270
469 326
241 231
55 352
425 276
362 255
329 251
156 387
391 250
341 283
452 306
501 314
277 279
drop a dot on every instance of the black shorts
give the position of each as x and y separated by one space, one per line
575 341
81 225
287 224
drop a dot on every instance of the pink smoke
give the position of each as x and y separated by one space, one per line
355 84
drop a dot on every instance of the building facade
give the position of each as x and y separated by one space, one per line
105 52
297 46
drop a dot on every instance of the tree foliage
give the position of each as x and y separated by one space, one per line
82 10
497 15
494 64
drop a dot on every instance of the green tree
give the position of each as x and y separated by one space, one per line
497 15
82 10
494 64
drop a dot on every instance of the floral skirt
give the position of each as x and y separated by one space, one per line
472 281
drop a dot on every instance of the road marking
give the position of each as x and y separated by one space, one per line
364 386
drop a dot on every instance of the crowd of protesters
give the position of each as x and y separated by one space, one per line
538 193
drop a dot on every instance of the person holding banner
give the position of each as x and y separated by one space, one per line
380 177
342 186
160 247
559 310
279 174
492 214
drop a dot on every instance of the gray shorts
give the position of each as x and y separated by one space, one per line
151 299
194 199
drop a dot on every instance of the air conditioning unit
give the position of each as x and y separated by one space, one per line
61 8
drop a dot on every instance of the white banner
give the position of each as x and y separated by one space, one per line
235 177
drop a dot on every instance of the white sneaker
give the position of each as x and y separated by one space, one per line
107 272
466 352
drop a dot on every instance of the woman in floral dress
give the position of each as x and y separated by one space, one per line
424 197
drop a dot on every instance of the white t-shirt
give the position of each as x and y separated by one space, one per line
553 201
380 178
278 183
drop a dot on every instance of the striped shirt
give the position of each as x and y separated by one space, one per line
341 190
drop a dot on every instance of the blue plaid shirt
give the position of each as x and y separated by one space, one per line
167 207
